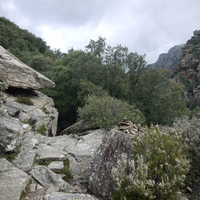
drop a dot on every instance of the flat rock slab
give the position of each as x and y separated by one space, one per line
17 74
24 160
65 196
47 152
48 178
56 166
12 181
79 150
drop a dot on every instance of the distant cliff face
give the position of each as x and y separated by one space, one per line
189 65
168 60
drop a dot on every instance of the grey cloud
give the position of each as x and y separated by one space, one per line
143 26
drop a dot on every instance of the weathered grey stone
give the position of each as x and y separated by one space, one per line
78 128
17 74
10 133
12 181
65 196
47 178
41 114
79 150
56 166
47 152
113 148
24 160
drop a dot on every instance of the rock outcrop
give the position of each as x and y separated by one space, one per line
13 181
113 148
189 65
168 60
17 74
32 164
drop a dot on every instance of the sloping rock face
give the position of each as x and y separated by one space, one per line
168 60
13 181
19 97
25 116
115 146
17 74
189 65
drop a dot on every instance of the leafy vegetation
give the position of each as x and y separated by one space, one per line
106 111
42 129
157 170
189 129
120 73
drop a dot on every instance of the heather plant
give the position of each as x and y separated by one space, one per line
190 131
106 111
156 170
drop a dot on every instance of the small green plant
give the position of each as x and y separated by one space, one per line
45 162
24 100
66 171
42 129
10 156
106 111
157 169
25 191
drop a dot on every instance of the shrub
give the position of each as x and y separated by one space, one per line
157 169
106 111
66 171
42 129
190 131
24 100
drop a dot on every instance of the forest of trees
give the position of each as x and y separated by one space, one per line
99 69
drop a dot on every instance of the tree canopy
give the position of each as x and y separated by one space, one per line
121 74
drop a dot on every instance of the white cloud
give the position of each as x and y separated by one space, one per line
146 27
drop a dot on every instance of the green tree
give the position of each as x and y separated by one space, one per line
106 111
161 100
65 93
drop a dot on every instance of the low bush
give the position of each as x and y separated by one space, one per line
190 131
157 170
106 111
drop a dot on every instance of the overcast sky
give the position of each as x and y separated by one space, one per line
148 27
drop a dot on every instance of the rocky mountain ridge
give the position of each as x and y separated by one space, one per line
189 65
168 60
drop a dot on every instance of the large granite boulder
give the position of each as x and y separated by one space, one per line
115 146
13 181
11 131
46 177
17 74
